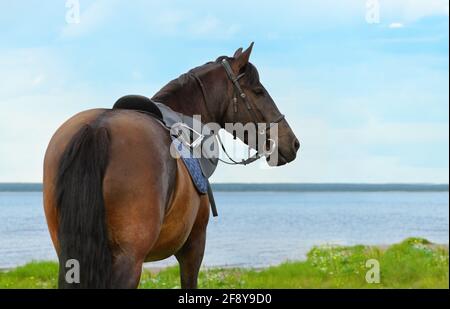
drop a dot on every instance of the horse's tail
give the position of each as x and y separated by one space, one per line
83 234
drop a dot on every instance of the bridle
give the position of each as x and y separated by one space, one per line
238 93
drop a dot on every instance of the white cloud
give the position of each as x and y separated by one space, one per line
211 26
175 20
396 25
38 80
413 10
184 23
188 20
27 70
206 25
169 21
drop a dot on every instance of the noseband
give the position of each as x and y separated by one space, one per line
238 93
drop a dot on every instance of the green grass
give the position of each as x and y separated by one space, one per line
41 275
414 263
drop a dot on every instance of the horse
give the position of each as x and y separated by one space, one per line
115 198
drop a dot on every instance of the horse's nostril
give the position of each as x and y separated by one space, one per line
296 144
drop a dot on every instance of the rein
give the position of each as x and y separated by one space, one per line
238 93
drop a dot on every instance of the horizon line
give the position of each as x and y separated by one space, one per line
282 187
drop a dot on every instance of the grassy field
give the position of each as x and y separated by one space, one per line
414 263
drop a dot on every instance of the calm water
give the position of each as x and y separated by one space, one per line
260 228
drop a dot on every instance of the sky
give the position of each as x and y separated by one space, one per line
363 84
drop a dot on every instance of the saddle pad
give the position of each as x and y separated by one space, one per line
192 165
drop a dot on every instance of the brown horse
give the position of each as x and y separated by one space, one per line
115 198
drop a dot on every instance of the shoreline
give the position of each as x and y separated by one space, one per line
157 269
424 265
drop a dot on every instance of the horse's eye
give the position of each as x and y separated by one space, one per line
258 91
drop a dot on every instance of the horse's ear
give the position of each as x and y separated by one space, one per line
238 52
242 59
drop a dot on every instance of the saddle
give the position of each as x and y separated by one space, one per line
139 103
200 169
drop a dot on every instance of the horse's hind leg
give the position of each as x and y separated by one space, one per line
126 272
190 256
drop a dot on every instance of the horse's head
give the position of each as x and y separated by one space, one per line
251 103
228 92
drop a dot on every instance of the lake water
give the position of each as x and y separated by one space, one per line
260 228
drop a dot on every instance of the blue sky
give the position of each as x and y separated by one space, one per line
369 101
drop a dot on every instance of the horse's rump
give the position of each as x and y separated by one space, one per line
107 193
82 233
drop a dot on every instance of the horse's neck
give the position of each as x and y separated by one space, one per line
187 98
